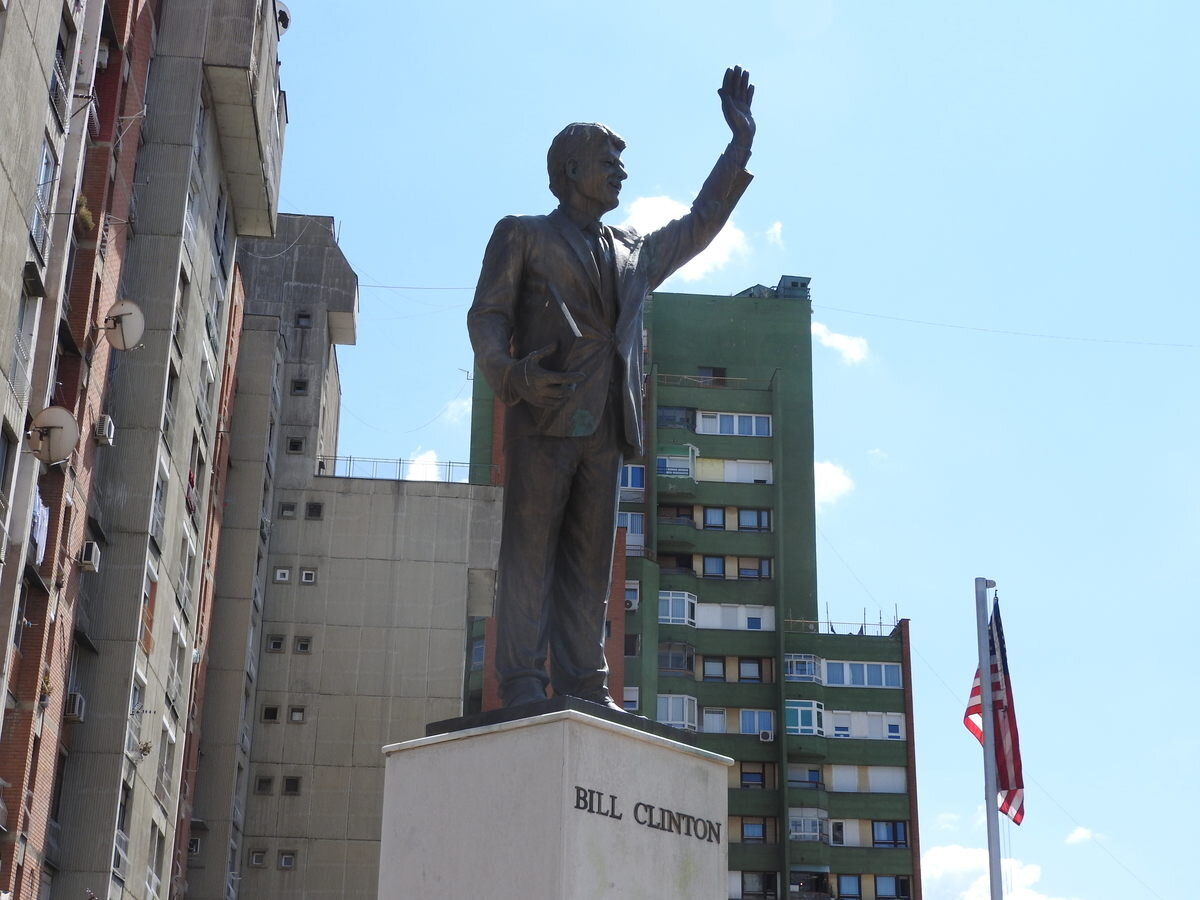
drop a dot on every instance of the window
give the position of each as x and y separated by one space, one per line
750 670
714 518
634 524
801 667
894 732
714 567
889 834
892 887
863 674
633 644
477 654
270 713
283 575
807 825
296 714
308 576
676 608
295 445
299 386
754 623
314 510
837 833
673 465
678 710
275 643
747 471
805 778
754 520
754 830
714 720
257 858
633 477
193 846
753 721
304 320
303 644
714 668
710 376
287 510
753 567
753 776
849 887
676 659
291 785
742 424
674 417
287 859
758 885
805 717
631 698
841 724
264 784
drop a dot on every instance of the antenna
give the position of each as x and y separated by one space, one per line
53 434
124 325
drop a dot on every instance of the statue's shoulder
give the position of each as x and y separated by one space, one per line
522 224
626 236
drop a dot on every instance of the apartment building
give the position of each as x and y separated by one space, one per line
721 631
343 591
177 165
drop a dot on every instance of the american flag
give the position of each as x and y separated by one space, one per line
1008 746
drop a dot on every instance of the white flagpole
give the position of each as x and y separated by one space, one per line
990 791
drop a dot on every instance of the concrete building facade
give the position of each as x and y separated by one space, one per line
340 618
721 630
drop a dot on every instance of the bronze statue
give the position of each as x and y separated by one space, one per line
556 325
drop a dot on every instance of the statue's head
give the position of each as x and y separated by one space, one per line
584 164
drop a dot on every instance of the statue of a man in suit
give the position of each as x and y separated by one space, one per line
556 325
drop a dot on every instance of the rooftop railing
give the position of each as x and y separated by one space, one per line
404 469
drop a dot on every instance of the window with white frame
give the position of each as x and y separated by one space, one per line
742 424
677 710
862 674
633 478
805 717
634 524
753 721
748 471
631 698
808 824
873 726
676 608
801 667
841 724
714 720
677 466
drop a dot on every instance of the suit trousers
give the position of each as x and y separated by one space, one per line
556 551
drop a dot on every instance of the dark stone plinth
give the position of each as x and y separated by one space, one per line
557 704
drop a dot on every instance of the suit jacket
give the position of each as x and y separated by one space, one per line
534 265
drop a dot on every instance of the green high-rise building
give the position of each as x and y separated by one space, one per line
721 629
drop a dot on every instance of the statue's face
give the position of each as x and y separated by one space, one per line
596 179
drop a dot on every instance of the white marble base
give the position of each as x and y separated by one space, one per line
561 806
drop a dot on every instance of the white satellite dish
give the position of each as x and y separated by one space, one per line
53 434
124 325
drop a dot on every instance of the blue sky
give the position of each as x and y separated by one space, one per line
998 208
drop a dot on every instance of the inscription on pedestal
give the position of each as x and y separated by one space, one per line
648 815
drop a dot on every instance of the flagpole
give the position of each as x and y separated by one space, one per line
990 790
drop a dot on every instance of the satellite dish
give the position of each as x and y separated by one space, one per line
53 434
284 17
124 325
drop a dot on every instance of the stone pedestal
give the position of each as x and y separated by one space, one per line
561 806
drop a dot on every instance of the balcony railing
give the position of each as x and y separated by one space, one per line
860 629
59 93
712 381
153 883
403 469
18 374
120 863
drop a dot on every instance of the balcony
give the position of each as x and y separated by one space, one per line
60 92
249 109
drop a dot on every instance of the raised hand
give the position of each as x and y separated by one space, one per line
737 93
543 387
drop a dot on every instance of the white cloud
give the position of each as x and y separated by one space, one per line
948 821
877 454
775 235
648 213
853 349
1080 835
424 467
961 873
457 411
832 482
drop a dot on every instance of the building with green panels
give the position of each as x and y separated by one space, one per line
722 634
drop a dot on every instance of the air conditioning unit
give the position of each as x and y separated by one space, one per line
631 606
89 557
106 431
76 707
766 736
